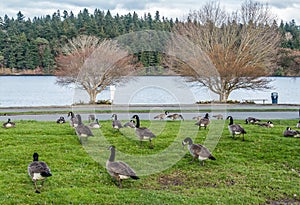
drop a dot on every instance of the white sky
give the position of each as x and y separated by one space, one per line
285 10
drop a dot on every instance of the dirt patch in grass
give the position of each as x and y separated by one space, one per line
284 202
174 179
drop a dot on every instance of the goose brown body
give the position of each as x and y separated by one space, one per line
291 133
162 116
82 130
119 170
38 171
73 120
143 133
203 122
235 129
116 124
268 124
130 124
9 124
175 116
95 124
252 120
61 120
198 151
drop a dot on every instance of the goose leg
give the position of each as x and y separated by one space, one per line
141 143
120 183
192 160
36 188
202 163
151 145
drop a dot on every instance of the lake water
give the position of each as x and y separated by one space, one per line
22 91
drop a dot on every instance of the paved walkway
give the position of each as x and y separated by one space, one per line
238 111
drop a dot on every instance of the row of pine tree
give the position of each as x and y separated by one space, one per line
34 43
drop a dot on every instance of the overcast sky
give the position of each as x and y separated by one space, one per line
285 10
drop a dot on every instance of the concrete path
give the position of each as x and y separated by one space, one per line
125 112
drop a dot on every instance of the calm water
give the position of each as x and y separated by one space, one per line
21 91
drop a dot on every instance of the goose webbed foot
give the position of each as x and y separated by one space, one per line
151 145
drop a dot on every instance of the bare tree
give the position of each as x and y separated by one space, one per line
238 48
92 64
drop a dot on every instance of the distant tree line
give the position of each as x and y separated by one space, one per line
34 44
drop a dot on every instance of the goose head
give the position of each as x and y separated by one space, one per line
231 120
188 141
136 117
35 157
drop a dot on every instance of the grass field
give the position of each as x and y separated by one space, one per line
263 169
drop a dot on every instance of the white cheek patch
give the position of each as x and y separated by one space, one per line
37 176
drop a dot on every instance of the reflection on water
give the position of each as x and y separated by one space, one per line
20 91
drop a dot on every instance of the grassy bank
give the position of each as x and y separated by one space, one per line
263 169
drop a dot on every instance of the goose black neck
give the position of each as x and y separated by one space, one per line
112 154
137 122
79 119
230 121
35 157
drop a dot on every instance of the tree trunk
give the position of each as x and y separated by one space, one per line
93 95
223 97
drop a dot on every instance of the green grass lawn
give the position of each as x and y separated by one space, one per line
263 169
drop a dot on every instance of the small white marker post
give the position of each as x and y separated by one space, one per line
112 89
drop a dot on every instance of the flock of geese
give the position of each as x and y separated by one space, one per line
39 170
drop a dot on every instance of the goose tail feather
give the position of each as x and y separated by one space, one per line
134 177
212 157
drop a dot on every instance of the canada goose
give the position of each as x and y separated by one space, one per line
119 170
91 118
130 124
298 124
38 171
82 130
252 120
142 132
266 124
95 124
73 119
199 117
291 133
203 122
162 115
175 116
9 124
198 151
235 129
61 120
218 116
116 124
